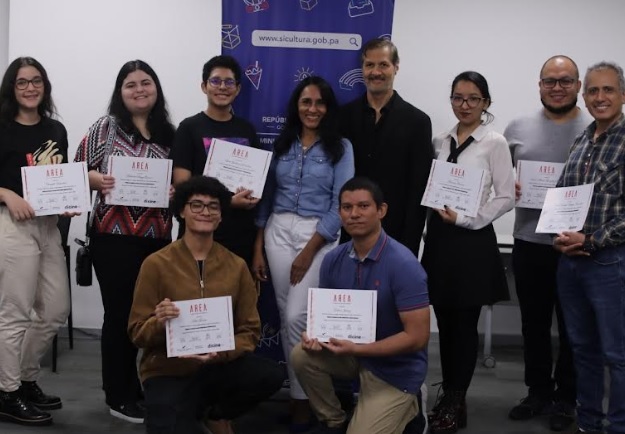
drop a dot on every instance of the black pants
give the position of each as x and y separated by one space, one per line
117 260
458 340
175 405
535 267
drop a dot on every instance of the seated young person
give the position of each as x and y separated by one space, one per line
391 369
182 391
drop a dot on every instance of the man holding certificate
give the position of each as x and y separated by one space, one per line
590 279
180 283
539 144
391 369
221 83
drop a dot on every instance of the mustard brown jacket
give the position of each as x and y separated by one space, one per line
173 273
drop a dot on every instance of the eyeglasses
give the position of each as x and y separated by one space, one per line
197 207
565 82
472 101
228 82
22 83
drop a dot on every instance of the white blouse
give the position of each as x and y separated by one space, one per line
489 151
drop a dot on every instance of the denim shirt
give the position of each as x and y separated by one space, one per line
307 184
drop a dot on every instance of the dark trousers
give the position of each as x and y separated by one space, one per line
458 340
117 260
535 267
176 405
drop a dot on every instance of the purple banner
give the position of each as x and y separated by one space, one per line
280 42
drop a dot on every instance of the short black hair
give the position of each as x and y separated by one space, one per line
202 185
224 61
560 56
362 183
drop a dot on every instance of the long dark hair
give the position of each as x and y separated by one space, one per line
328 127
159 124
9 107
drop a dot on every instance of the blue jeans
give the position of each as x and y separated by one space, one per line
592 294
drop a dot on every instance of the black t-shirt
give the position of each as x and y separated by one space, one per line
191 144
29 145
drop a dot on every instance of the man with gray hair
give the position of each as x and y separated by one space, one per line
544 136
591 273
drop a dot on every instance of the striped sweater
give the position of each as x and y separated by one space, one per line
117 219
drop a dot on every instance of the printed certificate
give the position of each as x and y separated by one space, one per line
57 188
535 178
458 187
342 314
140 182
565 209
204 326
238 166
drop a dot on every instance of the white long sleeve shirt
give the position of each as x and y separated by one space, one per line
489 151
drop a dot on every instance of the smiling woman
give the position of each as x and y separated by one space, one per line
471 274
298 217
32 264
122 237
139 93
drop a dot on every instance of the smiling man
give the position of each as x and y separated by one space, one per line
391 369
392 143
546 135
216 387
591 283
221 83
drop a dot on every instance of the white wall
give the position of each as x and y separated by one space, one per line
83 44
4 34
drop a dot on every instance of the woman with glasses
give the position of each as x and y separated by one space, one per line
461 257
298 215
137 125
34 292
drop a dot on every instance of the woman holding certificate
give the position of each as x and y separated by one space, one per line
137 125
34 293
461 257
298 216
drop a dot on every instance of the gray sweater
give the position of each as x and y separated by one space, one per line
537 138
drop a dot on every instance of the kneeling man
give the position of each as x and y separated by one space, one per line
181 391
392 369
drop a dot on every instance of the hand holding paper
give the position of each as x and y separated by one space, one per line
343 314
203 326
238 166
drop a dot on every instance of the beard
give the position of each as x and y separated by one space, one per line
560 110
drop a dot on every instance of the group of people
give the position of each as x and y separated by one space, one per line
362 167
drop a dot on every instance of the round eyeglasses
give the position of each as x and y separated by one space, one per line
472 101
22 83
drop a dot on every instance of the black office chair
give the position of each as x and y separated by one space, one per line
63 226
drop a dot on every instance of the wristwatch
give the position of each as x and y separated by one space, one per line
589 246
